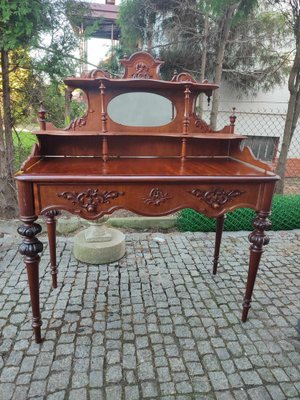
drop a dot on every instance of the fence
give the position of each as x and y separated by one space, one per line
265 131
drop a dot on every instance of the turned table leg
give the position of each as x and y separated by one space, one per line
51 228
30 248
219 231
258 239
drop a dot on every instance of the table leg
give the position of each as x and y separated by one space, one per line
30 248
258 239
219 231
51 228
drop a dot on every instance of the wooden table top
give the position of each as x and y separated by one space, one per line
84 168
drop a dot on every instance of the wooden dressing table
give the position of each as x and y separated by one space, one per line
101 163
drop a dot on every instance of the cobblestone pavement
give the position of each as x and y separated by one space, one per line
156 324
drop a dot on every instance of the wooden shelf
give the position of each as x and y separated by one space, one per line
131 84
209 135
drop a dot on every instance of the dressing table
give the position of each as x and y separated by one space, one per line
140 146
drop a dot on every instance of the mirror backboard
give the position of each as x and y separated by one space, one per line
141 109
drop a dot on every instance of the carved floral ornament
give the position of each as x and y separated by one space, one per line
90 199
216 198
156 197
141 71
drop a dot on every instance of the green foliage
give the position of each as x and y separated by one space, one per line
20 22
40 41
285 216
23 142
255 55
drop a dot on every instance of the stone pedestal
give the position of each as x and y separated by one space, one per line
99 244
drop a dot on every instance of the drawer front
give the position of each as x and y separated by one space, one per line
93 200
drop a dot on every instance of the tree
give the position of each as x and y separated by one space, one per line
213 39
27 25
291 12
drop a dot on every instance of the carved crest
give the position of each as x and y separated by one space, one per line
141 65
183 77
142 71
216 198
156 197
91 198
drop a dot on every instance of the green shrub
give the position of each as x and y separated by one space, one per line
285 216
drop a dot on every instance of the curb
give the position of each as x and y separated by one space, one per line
68 225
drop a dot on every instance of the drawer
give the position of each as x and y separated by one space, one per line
93 200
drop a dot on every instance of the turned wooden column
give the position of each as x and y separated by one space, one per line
219 231
30 249
50 217
258 239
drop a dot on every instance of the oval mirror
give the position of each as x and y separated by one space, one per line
141 109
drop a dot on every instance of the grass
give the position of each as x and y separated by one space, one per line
23 142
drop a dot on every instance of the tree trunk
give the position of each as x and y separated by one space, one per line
8 201
203 65
292 115
223 39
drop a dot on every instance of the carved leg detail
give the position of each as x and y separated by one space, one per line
219 231
51 228
30 248
258 239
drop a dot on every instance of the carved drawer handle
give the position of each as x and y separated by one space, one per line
216 198
91 198
156 197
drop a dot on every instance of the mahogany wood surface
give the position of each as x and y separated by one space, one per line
96 166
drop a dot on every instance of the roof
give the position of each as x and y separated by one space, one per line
107 14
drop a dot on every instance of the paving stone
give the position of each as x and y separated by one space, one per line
275 392
218 380
27 364
113 356
79 380
201 384
37 388
289 389
155 325
211 362
78 394
62 363
58 381
149 389
258 393
132 393
280 375
23 379
167 388
163 374
114 374
251 378
184 387
14 358
242 363
224 396
96 394
145 371
114 392
20 393
9 374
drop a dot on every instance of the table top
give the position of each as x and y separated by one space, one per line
143 168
